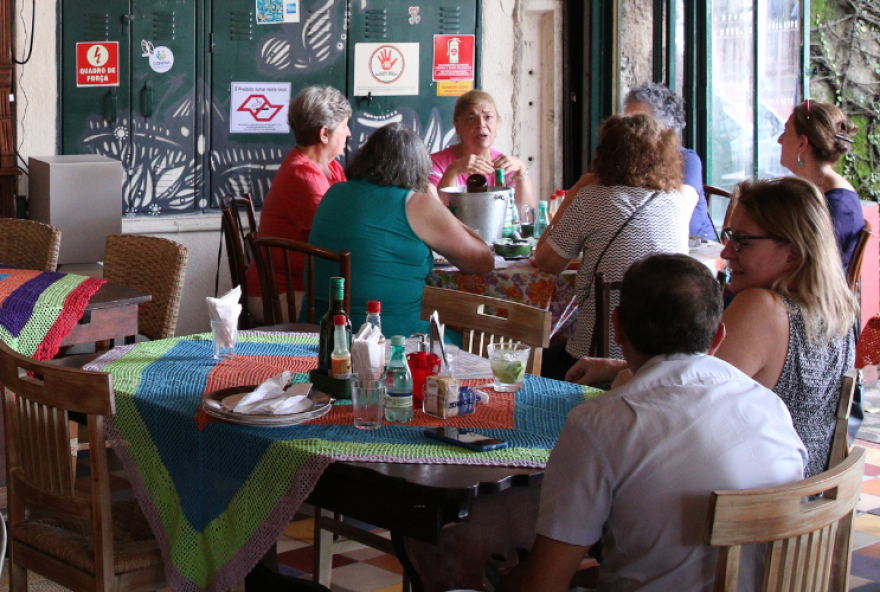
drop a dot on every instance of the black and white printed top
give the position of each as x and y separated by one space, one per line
810 386
593 219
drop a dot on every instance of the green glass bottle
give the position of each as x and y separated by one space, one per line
326 335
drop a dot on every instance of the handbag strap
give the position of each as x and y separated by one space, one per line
586 293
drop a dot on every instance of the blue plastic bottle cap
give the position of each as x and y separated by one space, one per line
398 340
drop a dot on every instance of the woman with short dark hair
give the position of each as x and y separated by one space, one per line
634 209
816 135
318 116
390 218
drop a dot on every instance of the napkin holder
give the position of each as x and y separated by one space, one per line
335 387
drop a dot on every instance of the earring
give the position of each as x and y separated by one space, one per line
800 162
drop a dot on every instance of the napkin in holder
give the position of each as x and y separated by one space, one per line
366 352
226 310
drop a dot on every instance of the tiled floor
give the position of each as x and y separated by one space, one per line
361 569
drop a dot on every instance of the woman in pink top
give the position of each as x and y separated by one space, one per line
476 123
319 119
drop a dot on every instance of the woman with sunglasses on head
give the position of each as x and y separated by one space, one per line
790 326
816 135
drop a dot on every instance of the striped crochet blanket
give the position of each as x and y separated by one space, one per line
39 308
218 495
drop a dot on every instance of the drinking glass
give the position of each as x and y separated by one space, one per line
224 340
368 398
509 361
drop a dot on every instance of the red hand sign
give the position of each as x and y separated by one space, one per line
385 59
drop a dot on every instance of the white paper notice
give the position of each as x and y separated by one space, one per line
259 108
386 69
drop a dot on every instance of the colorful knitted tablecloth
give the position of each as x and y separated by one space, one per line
517 281
218 495
39 308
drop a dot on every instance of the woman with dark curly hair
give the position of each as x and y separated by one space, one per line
815 137
634 209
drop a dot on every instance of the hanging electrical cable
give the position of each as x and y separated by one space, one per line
31 41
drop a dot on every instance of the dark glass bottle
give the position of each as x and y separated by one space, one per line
326 338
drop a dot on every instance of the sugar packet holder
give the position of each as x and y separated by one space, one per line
445 397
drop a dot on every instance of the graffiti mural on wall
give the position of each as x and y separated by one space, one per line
183 158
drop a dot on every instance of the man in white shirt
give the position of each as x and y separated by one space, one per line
635 467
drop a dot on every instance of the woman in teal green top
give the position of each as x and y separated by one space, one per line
390 218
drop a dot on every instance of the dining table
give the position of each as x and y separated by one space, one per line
44 312
518 280
218 494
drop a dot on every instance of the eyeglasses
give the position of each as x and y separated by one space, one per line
739 241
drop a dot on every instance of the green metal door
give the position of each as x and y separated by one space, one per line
304 53
393 22
148 121
94 119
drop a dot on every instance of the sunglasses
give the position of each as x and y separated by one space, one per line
739 241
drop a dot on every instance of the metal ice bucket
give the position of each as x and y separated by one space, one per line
482 212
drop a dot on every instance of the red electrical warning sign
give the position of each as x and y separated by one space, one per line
97 64
453 57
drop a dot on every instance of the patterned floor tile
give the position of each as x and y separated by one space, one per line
364 554
855 582
302 559
361 577
871 587
286 544
872 470
864 539
871 486
868 523
302 530
868 502
871 550
387 562
866 567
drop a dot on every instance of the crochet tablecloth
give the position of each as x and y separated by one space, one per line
517 281
218 495
39 308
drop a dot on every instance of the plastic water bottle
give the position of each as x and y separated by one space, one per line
398 384
543 219
374 309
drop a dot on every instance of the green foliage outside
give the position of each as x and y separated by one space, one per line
845 57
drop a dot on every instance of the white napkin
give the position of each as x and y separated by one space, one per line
366 349
270 397
226 309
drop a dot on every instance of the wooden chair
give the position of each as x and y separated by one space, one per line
709 190
840 443
854 271
28 244
156 266
808 542
265 262
600 344
485 320
79 539
239 257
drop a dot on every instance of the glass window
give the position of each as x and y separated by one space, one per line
730 125
778 78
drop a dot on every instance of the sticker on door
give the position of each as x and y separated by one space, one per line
277 11
386 69
259 108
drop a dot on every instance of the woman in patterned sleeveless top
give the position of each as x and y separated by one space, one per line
790 326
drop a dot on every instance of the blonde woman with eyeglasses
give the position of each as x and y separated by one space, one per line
790 326
816 136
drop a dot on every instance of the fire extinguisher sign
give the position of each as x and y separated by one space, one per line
97 64
453 58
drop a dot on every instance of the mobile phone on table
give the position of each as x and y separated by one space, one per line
465 439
